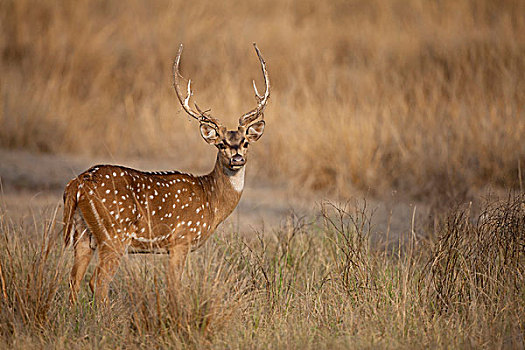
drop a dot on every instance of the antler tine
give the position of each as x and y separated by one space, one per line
206 118
185 101
261 99
257 95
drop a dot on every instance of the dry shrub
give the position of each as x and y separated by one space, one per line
421 96
482 261
378 284
348 229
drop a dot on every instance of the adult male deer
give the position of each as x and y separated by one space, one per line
114 209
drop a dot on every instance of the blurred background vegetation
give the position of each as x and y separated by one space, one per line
421 96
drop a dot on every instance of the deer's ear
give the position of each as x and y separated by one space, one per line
255 131
209 133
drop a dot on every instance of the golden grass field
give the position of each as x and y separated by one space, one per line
419 100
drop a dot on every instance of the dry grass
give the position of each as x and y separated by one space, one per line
319 285
414 95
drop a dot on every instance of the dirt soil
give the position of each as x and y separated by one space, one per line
32 183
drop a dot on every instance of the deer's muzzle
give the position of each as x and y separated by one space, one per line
237 160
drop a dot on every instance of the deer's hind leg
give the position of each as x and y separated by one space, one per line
109 247
83 254
109 257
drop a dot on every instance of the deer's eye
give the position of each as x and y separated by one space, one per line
221 146
246 144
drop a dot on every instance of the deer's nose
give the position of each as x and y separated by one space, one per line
237 160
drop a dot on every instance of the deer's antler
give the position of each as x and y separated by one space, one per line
201 116
261 99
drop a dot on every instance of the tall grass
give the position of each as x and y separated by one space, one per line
308 285
415 95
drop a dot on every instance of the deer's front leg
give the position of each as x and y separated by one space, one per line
177 260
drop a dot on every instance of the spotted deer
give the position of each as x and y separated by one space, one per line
113 209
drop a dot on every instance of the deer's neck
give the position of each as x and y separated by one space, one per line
225 189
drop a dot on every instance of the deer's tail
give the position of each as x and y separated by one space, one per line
71 196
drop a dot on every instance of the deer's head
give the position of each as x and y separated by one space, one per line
232 145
